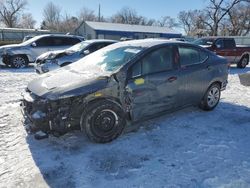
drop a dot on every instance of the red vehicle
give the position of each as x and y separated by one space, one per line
227 48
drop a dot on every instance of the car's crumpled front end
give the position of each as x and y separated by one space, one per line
45 115
53 60
54 102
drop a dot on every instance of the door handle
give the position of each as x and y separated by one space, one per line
172 79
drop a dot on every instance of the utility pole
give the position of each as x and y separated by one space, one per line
99 13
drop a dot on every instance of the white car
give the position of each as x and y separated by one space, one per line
55 59
20 55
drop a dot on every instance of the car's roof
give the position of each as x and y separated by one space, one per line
58 35
100 40
147 43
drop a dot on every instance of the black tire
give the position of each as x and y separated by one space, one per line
19 61
243 62
211 98
103 121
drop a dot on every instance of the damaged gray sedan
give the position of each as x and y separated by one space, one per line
124 82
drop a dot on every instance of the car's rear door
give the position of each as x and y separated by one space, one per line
152 84
196 73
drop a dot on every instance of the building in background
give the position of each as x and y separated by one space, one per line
104 30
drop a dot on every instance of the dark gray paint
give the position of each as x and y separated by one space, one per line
156 95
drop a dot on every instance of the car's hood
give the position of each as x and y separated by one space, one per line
64 83
54 54
47 54
11 46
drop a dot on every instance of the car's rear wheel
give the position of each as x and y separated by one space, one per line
243 62
104 121
211 98
19 61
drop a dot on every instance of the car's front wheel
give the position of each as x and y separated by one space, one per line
18 61
103 121
211 98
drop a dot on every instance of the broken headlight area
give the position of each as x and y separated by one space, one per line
48 116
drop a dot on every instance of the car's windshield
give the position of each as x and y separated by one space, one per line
204 41
108 59
78 47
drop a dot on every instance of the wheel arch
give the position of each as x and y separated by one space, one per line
219 82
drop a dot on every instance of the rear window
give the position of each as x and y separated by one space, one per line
191 56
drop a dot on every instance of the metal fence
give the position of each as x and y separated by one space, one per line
16 35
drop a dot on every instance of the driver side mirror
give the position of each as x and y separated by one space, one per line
33 44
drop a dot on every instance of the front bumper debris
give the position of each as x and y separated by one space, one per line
43 67
35 116
46 116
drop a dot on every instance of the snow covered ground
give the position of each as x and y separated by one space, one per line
189 148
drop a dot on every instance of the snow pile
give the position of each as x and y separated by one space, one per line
189 148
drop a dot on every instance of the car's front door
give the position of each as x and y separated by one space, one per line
41 46
152 84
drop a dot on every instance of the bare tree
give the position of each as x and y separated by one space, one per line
87 15
51 16
167 21
27 21
192 22
127 16
239 20
68 24
10 11
216 11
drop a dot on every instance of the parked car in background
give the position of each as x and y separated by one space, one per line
178 39
126 81
20 55
56 59
227 48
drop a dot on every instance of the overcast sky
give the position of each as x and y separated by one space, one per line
151 9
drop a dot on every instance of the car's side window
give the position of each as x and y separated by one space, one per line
136 70
68 41
191 56
46 41
229 43
219 43
157 61
93 47
58 41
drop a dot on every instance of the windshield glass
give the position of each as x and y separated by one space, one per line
205 41
78 47
108 59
